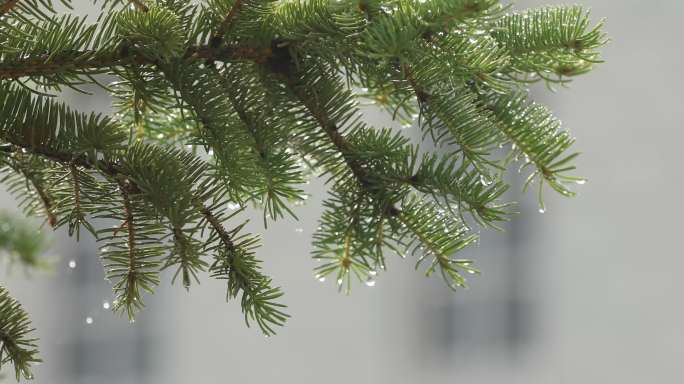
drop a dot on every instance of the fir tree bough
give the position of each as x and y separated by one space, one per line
237 102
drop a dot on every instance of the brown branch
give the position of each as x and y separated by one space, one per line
226 24
45 199
329 127
42 195
422 95
8 6
126 188
216 224
281 66
91 62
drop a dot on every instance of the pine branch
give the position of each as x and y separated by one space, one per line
263 89
16 344
90 62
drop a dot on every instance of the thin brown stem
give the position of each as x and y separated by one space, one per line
8 6
91 62
226 24
217 225
125 187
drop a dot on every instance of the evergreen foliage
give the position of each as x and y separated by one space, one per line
237 102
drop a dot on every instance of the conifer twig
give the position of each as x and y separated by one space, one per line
91 62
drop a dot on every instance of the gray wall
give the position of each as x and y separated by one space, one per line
586 293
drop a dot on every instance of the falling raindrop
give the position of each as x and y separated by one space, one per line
72 264
89 320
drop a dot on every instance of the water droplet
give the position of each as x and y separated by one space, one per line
484 180
131 321
210 152
160 136
106 305
581 182
372 273
370 283
89 320
72 264
233 206
339 281
299 230
542 210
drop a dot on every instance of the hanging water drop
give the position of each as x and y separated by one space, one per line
233 206
339 281
370 283
372 272
542 210
484 180
581 181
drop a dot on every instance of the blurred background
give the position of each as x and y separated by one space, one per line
589 292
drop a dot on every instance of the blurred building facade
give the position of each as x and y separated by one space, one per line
586 293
